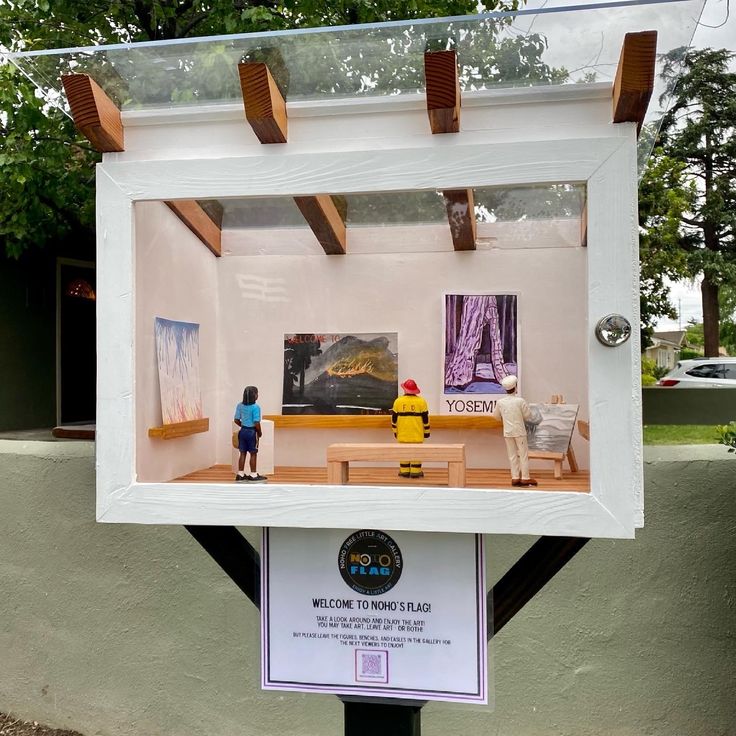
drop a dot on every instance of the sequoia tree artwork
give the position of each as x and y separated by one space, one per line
480 342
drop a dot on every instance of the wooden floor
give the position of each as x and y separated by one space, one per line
476 478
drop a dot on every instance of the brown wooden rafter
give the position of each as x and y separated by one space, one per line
443 109
265 107
326 222
443 91
265 110
199 222
461 217
96 116
634 81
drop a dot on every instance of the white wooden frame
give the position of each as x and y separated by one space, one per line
602 156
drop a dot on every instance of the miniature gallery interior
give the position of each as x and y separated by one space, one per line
330 340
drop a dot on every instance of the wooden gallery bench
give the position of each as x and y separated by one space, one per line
340 455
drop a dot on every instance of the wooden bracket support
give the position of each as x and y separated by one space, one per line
265 108
199 222
96 116
634 81
234 554
531 572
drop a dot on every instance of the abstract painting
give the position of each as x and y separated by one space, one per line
551 427
340 373
480 342
177 353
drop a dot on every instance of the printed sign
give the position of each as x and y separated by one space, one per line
366 612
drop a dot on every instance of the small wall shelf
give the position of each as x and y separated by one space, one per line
375 421
180 429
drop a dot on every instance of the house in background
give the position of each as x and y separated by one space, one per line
47 337
665 348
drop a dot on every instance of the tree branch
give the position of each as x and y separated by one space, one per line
193 23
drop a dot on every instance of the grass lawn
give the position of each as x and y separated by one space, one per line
680 434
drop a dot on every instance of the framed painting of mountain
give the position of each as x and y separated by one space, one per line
340 373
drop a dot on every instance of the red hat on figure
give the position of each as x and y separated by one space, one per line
410 387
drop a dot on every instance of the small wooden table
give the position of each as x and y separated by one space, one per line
340 455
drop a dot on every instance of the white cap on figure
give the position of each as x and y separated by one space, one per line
509 383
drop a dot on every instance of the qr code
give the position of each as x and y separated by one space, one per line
371 665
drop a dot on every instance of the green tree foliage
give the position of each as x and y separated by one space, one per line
727 435
46 168
46 173
688 192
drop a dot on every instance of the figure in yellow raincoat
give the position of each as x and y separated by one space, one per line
410 423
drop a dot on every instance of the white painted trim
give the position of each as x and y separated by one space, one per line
445 162
420 509
613 375
115 424
331 106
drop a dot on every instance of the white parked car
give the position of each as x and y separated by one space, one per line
702 373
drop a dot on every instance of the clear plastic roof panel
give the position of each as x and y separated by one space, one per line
534 46
375 209
541 216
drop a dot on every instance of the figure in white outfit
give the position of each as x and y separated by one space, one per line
513 410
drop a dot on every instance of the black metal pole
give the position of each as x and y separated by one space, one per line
382 719
531 572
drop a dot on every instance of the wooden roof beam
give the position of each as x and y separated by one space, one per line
265 108
443 109
443 91
634 81
326 222
461 217
199 222
96 116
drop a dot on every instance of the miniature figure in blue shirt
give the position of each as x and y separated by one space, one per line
248 418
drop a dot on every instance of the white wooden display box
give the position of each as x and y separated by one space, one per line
515 139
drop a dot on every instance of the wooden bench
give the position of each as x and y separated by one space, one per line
340 455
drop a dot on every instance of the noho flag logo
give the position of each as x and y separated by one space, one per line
370 562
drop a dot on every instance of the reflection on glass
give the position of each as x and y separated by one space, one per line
545 46
562 201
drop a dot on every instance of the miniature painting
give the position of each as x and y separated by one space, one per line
340 373
552 427
177 352
480 342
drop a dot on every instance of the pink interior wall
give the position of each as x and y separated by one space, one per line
268 296
176 279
